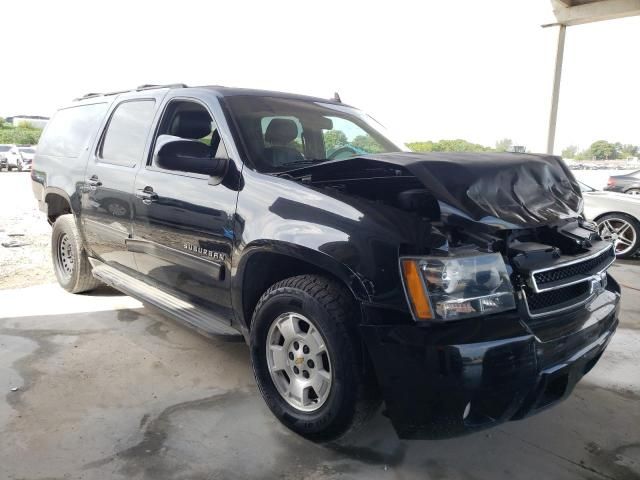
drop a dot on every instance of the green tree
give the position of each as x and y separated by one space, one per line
366 143
504 145
456 145
627 150
2 122
334 139
26 125
570 152
20 136
603 150
421 146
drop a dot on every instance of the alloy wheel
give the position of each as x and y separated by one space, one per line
299 362
620 232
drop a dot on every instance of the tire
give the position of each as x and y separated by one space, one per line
631 235
329 307
72 267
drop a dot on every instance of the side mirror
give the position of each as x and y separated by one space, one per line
190 156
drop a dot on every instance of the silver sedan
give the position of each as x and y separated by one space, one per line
616 215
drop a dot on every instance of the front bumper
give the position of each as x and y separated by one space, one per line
449 379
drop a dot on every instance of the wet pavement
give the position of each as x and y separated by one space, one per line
107 388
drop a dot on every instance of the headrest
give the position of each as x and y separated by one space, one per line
196 124
281 131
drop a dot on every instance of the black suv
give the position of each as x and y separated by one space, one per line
463 290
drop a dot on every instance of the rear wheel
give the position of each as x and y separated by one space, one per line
623 230
308 360
70 261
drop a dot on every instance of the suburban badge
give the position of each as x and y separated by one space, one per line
203 251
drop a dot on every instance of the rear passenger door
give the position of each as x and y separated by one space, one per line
183 225
107 200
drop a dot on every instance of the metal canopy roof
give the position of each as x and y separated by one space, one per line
577 12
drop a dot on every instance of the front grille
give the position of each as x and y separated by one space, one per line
588 267
558 298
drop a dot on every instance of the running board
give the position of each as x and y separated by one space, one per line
175 307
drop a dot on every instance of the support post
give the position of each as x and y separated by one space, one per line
553 116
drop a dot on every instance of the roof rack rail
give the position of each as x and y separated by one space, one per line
137 89
88 95
151 86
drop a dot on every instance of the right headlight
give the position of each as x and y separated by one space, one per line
455 287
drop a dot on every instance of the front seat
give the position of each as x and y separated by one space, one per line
193 124
279 134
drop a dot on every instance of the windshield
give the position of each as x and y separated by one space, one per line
4 148
27 150
282 133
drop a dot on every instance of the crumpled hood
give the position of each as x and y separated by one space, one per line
504 190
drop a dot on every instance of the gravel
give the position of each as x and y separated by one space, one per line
25 253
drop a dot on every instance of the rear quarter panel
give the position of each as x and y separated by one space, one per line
62 175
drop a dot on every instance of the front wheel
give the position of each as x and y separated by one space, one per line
623 230
70 261
307 359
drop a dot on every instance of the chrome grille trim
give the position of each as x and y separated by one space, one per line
534 285
556 311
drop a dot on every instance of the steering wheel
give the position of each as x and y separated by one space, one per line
343 152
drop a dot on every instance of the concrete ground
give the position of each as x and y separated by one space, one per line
100 387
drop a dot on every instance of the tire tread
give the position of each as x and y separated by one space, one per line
339 304
83 280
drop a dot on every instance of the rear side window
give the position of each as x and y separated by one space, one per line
70 130
127 132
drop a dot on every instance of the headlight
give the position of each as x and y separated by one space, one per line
450 288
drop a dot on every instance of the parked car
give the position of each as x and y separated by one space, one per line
4 149
617 216
13 158
462 289
628 183
10 157
26 157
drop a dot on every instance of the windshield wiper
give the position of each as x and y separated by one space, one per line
308 161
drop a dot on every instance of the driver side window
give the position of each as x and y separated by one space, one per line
190 120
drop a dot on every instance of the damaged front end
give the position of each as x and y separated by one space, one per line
509 300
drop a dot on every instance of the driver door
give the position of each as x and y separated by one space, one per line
182 226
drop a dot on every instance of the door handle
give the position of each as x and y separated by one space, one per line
147 195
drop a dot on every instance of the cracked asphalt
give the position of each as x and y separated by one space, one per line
98 386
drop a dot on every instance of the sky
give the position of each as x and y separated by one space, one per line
427 70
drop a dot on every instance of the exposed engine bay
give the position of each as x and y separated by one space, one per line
527 208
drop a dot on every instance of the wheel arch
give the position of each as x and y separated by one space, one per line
58 203
264 264
615 212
